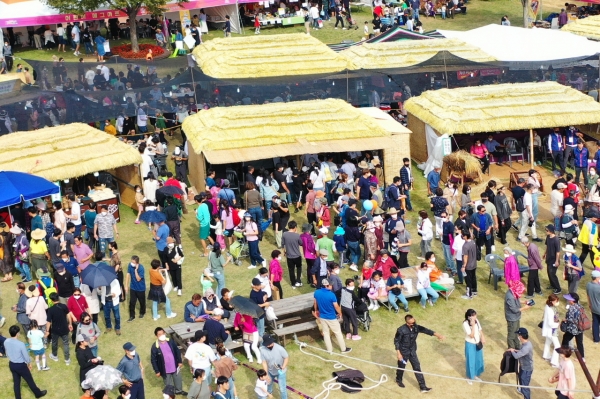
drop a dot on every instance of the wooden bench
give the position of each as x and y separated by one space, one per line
275 323
295 328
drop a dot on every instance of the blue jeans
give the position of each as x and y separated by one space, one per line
267 209
155 308
103 244
89 49
354 249
76 281
143 129
534 207
257 215
281 381
220 277
77 230
108 306
23 268
557 224
393 298
231 390
424 291
461 278
255 257
260 325
448 257
407 200
524 379
95 351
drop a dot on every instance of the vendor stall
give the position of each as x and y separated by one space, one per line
77 158
256 132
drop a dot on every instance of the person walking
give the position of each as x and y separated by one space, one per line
565 375
61 320
593 294
275 361
156 294
447 236
291 243
571 323
132 369
550 324
135 283
109 296
20 364
552 258
474 341
504 212
105 228
425 230
348 300
512 312
329 313
166 361
525 357
405 342
482 225
573 268
535 265
469 265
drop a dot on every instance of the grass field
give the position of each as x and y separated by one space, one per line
306 373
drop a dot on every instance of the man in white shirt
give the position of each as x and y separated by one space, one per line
527 217
142 117
89 77
75 216
200 355
556 203
350 169
76 39
314 13
105 72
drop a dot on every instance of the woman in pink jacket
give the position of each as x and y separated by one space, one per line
249 335
511 267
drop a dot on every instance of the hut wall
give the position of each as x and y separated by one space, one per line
197 172
131 175
393 156
418 142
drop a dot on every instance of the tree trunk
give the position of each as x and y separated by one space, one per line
132 14
526 7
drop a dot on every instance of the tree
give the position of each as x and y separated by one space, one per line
526 6
130 7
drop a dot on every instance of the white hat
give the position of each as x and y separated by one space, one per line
324 230
569 208
177 151
569 249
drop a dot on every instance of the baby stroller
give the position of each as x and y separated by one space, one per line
351 21
362 315
239 249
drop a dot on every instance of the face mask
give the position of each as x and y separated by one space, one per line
18 292
126 396
162 338
103 213
377 224
77 296
337 271
133 264
279 258
479 145
394 217
433 259
350 287
592 172
247 219
506 255
484 200
171 245
444 219
62 273
468 191
65 260
132 353
138 191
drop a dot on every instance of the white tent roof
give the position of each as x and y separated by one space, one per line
527 48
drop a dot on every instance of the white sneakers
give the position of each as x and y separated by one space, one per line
157 317
172 314
178 292
353 267
252 267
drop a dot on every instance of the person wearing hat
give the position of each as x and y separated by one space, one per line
363 188
85 357
571 323
569 224
132 368
593 293
329 313
38 251
226 193
573 267
588 236
370 242
199 354
64 282
340 244
525 357
214 328
275 361
326 243
552 258
166 361
565 375
21 246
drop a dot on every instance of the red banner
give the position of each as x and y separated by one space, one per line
466 74
490 72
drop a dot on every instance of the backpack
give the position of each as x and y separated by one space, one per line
236 217
48 291
519 205
583 322
386 199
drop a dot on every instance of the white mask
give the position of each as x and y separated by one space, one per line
444 219
103 213
18 292
350 287
162 338
394 217
592 172
506 255
171 245
337 271
76 296
138 191
377 224
126 396
132 353
279 258
433 259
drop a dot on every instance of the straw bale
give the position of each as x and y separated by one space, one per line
65 152
503 107
253 127
462 161
406 53
588 27
268 56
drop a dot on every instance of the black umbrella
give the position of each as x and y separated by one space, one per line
171 190
245 306
153 217
98 275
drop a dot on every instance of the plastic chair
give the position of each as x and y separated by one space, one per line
514 149
496 272
234 183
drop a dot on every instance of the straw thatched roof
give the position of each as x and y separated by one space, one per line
588 27
503 107
252 132
406 53
268 56
65 152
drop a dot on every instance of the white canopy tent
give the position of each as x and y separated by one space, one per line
528 49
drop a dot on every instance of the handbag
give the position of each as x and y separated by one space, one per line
168 286
479 345
541 324
563 326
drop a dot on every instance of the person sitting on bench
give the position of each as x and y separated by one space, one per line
480 152
496 149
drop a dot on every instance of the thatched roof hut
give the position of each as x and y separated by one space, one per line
273 56
587 27
65 152
254 132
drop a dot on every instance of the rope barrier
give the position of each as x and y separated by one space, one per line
303 345
289 388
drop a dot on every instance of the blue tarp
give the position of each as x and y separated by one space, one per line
17 186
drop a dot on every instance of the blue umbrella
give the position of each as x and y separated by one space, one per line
153 217
17 186
98 275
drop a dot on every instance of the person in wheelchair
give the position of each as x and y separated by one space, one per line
480 152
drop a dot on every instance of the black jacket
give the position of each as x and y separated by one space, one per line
84 358
65 284
157 360
406 338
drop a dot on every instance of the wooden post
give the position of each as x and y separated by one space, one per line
531 148
588 376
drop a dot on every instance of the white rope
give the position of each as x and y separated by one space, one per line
303 345
330 385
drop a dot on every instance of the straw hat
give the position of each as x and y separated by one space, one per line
569 249
363 165
31 291
376 161
392 211
38 234
4 228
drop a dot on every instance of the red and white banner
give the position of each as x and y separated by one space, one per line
490 72
460 75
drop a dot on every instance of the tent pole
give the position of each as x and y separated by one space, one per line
347 92
445 70
239 18
531 148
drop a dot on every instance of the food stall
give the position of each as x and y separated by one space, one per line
78 158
